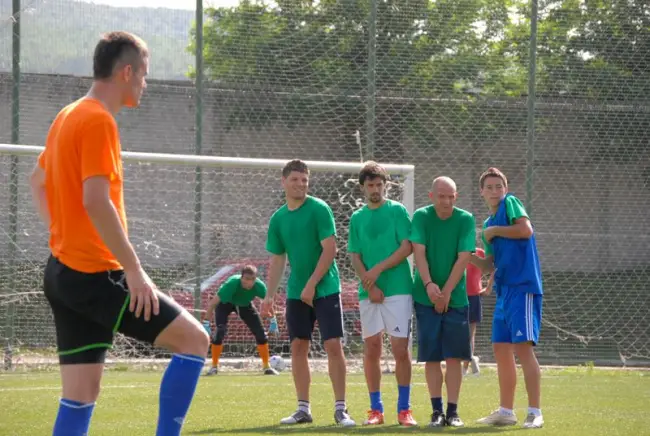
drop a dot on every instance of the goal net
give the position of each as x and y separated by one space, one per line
194 221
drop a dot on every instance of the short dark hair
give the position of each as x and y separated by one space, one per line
492 172
114 47
295 165
249 270
372 170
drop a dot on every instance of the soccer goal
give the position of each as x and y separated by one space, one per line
194 221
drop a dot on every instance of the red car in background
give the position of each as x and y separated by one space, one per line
237 331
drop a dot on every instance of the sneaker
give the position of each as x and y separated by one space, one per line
454 421
498 418
298 417
405 418
474 364
270 371
375 417
437 419
342 417
534 421
212 371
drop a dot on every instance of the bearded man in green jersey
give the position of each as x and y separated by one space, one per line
378 243
303 230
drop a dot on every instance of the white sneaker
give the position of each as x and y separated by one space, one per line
474 363
298 417
498 418
534 421
343 418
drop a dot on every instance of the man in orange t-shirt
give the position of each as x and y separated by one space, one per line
94 281
474 292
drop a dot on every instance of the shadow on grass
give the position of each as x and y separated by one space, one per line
384 429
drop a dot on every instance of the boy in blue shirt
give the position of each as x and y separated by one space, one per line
511 252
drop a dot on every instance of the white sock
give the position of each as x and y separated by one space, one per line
339 405
534 411
304 406
504 411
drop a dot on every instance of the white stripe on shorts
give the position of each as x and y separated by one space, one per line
529 317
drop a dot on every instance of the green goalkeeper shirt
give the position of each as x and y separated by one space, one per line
232 292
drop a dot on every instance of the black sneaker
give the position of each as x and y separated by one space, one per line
342 417
437 419
270 371
298 417
454 421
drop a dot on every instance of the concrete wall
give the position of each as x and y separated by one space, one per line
590 212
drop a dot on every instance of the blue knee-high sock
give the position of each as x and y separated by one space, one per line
375 401
403 398
73 418
176 392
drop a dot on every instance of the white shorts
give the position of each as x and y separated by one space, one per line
393 316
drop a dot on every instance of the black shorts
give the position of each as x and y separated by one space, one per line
328 311
248 314
89 309
475 309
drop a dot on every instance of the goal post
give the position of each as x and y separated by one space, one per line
190 233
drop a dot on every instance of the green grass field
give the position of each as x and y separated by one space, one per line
576 401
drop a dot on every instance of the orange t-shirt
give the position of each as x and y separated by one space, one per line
474 276
83 142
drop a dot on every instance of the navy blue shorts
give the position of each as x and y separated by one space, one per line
442 336
328 311
475 309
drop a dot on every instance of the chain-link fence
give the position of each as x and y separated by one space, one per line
553 93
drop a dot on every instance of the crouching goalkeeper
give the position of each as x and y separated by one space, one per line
236 295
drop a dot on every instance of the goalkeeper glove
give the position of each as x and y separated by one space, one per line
273 326
206 326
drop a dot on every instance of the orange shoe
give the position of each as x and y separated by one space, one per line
405 418
375 417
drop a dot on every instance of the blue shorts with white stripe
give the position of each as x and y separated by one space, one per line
517 316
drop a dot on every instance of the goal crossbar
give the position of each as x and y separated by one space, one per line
406 170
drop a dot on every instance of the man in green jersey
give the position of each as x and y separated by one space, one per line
303 230
378 243
236 295
443 238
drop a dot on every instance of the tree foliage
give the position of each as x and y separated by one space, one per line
594 49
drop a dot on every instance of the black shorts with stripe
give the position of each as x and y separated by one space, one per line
89 308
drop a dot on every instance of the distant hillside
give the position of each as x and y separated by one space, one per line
58 36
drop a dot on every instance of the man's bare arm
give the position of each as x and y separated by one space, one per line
39 198
456 272
276 271
486 265
405 249
104 216
521 229
324 261
358 265
420 257
214 302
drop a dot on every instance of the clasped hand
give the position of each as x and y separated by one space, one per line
439 299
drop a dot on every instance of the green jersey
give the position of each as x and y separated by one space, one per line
232 292
443 240
515 210
375 234
299 233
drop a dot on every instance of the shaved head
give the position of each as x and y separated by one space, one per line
443 196
443 183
